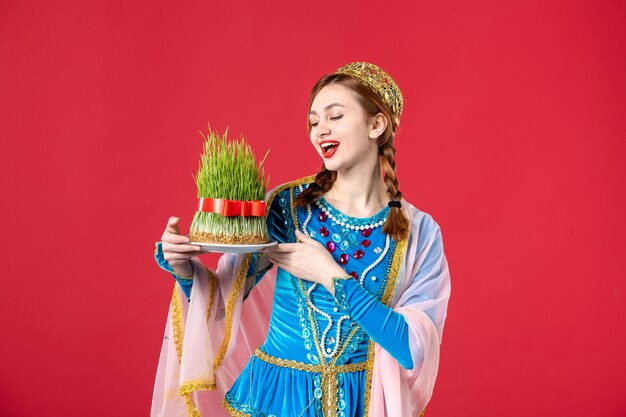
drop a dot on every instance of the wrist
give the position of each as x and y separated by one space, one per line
184 270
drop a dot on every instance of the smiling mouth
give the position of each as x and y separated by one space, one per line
329 148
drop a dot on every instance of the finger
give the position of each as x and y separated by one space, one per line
172 225
304 238
269 251
283 248
281 260
278 262
172 238
168 247
301 236
280 256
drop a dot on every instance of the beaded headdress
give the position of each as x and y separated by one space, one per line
379 81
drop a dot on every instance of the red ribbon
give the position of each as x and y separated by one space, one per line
232 207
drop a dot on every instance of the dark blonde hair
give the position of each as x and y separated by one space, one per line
397 224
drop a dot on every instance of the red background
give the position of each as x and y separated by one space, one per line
512 138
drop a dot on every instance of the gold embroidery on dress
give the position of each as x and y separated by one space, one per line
328 371
212 285
198 385
232 411
301 366
369 363
233 296
177 322
333 388
192 411
177 327
398 258
329 384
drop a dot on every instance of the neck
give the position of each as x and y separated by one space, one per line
359 192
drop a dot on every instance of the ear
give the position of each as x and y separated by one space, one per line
378 124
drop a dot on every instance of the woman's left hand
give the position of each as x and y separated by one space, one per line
307 259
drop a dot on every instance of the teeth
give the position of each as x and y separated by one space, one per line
327 145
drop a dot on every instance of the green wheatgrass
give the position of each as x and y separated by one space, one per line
228 170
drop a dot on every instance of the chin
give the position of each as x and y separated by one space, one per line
332 165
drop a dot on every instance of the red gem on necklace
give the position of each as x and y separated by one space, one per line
322 216
324 231
366 232
354 275
358 254
343 259
366 243
331 246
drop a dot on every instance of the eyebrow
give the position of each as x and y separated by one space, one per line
328 107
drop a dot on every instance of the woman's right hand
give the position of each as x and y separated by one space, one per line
176 249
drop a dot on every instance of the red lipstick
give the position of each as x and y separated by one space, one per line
329 147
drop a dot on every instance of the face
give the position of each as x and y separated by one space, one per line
341 132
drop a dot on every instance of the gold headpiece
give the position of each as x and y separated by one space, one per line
379 81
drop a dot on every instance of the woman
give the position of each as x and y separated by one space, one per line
360 291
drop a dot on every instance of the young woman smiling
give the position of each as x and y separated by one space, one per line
359 283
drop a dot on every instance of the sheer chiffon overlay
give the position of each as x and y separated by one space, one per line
210 339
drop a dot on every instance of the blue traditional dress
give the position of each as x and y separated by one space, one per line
314 360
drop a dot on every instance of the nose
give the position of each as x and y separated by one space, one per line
321 130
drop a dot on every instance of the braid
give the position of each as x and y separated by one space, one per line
324 181
397 224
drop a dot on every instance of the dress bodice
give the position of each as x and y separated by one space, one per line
306 323
311 341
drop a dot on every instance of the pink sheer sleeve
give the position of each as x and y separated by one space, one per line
421 296
215 325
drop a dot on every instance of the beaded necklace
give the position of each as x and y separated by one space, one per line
344 221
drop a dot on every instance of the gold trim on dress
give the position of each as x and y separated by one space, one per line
369 363
232 411
177 322
198 385
192 411
328 371
233 296
301 366
212 285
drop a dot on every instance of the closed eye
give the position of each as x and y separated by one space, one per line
332 118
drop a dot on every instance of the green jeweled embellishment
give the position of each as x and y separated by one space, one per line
340 295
